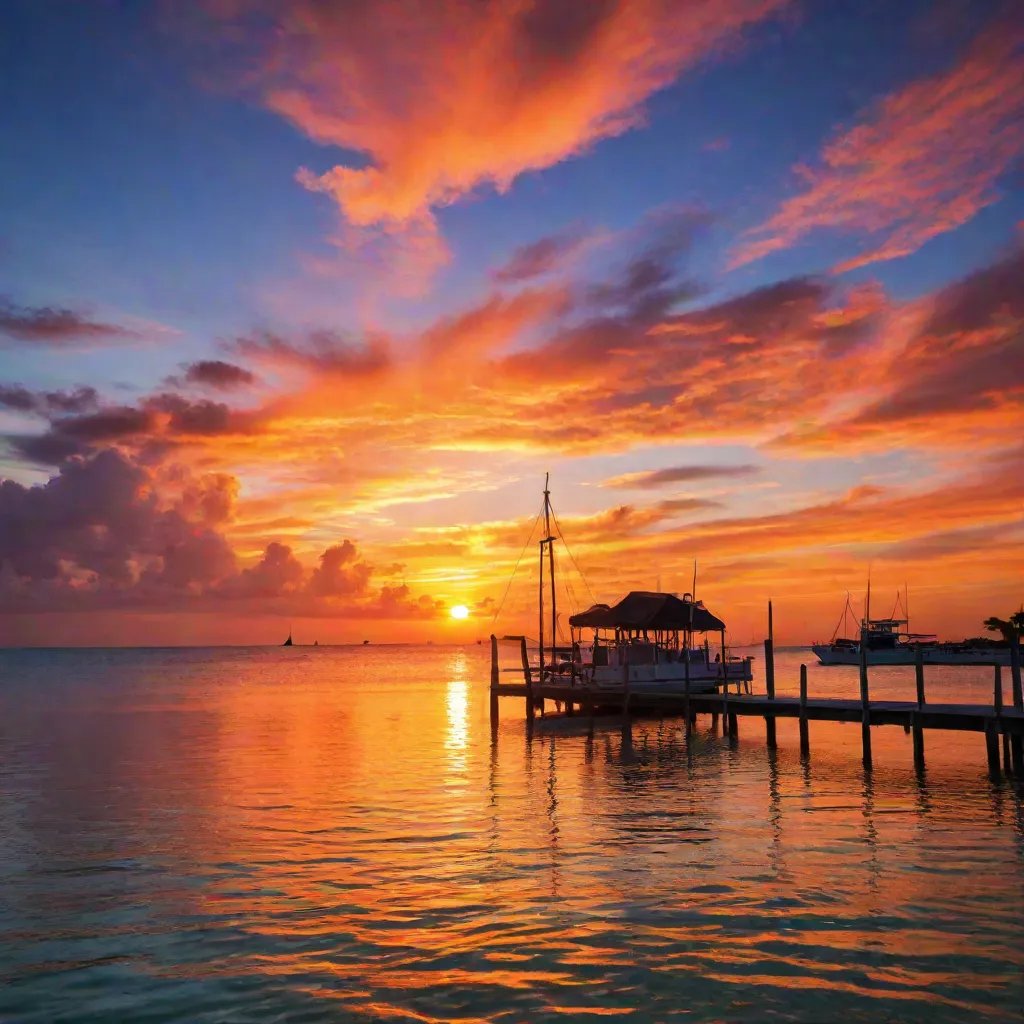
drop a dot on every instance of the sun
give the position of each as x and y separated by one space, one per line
459 611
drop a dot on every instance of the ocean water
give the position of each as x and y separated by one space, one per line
330 834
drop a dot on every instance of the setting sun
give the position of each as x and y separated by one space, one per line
460 611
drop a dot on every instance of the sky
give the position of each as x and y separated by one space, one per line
299 303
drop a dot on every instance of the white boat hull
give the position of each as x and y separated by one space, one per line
669 676
907 655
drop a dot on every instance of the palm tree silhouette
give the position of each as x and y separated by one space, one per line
1011 628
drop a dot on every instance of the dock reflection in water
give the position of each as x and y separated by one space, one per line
331 834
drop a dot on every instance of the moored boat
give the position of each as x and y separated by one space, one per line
647 642
648 639
889 642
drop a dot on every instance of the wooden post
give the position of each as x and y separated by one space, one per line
865 708
915 724
997 700
1018 696
494 679
915 716
992 748
625 684
769 680
725 671
1016 744
527 676
805 746
686 673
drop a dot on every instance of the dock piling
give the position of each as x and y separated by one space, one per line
805 746
865 709
992 748
915 716
769 679
494 680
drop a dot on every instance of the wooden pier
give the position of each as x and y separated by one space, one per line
1001 723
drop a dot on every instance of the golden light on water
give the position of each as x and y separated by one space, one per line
459 611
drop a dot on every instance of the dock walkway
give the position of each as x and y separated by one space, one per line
1001 723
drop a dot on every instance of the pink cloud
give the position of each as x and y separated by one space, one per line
921 162
449 96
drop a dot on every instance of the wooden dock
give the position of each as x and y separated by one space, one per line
1001 723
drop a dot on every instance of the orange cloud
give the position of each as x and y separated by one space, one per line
449 96
921 162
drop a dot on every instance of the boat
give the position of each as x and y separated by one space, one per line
648 640
288 642
889 642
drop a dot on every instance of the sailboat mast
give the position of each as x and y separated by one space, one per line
551 565
540 612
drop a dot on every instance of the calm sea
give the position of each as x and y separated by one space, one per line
329 834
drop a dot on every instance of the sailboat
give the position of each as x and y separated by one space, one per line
288 642
889 642
648 638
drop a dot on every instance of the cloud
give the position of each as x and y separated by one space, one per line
952 368
217 374
677 474
110 532
163 417
539 257
321 351
922 161
487 91
58 328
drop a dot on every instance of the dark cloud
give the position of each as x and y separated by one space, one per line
540 257
321 351
46 403
650 479
215 373
49 325
108 531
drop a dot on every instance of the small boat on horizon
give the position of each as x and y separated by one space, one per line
288 642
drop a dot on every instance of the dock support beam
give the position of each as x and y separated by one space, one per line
528 676
494 680
992 748
805 745
769 680
1016 745
865 709
915 717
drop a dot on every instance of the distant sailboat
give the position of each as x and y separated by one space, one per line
288 642
316 643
